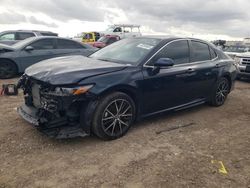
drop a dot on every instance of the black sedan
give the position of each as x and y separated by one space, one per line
16 58
128 80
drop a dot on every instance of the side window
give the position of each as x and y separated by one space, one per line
68 44
24 35
212 53
8 36
118 29
43 44
200 52
178 51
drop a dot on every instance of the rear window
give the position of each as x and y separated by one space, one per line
43 44
68 44
200 51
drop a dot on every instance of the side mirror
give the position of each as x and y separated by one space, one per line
29 48
164 62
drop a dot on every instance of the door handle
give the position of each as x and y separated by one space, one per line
190 70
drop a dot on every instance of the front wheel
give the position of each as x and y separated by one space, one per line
114 116
7 69
220 92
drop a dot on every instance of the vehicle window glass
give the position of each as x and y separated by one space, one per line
127 51
111 40
88 36
42 44
22 35
103 39
200 51
178 51
8 36
68 44
118 29
212 53
48 34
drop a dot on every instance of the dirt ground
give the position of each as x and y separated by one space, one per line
142 158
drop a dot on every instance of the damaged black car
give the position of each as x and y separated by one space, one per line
131 79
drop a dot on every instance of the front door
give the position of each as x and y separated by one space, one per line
170 86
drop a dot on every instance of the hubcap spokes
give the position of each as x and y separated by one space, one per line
117 117
222 92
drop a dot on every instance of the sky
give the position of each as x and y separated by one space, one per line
205 19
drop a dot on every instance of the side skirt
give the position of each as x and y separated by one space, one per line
178 108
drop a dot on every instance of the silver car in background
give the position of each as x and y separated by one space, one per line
16 58
11 37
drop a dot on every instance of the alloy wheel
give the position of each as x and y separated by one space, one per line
222 91
117 117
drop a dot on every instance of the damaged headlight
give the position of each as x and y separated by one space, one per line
65 91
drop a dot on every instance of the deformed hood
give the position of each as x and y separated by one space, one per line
70 69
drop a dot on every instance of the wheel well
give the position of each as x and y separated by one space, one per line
14 63
229 80
125 90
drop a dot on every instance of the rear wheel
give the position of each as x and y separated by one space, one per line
220 92
113 116
7 69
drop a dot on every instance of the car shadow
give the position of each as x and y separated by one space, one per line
246 80
154 119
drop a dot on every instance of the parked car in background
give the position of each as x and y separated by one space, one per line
106 40
127 80
14 36
243 63
16 58
123 30
233 51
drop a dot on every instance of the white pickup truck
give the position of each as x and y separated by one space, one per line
123 30
243 64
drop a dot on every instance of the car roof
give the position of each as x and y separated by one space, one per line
171 37
32 39
20 30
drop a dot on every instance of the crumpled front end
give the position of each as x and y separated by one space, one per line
55 114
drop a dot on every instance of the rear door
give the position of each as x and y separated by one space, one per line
204 63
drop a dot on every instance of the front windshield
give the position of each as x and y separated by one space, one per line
127 51
22 43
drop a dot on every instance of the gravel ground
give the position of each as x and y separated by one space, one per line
142 158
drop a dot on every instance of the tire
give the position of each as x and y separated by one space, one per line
113 116
7 69
220 92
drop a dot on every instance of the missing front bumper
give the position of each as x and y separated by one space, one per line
56 129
